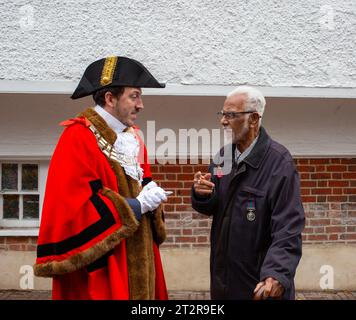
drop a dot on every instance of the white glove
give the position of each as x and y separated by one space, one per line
150 198
149 186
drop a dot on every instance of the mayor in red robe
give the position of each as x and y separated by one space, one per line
91 241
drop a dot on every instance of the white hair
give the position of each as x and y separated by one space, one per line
255 99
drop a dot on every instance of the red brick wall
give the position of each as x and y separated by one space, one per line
328 188
18 243
185 227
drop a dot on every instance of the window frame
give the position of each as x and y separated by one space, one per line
42 176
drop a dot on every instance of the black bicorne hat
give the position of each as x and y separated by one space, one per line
114 72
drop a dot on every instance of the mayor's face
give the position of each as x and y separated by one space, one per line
128 105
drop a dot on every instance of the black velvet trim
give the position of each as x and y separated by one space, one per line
107 220
100 263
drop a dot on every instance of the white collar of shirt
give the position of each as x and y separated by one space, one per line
241 156
112 122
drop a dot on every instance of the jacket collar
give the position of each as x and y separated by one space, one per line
254 159
100 124
241 156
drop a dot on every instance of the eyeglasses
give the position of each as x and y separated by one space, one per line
232 115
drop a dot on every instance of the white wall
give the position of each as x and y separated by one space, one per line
307 127
29 124
319 127
271 43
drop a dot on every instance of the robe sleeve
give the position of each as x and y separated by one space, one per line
83 217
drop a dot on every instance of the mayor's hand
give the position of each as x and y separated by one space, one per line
269 288
151 197
203 187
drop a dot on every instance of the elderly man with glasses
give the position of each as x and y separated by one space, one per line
257 211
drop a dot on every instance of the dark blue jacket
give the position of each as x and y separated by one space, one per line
257 223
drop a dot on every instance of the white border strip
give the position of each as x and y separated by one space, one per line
67 87
19 232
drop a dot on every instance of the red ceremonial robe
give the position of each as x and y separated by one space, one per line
90 241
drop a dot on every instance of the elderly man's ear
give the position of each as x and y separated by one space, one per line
254 119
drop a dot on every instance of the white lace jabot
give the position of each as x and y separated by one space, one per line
126 145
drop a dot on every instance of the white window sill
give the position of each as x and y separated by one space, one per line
19 232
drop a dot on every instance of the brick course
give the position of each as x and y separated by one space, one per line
328 188
18 243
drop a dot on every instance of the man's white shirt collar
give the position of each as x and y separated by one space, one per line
241 156
112 122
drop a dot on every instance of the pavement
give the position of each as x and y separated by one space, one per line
182 295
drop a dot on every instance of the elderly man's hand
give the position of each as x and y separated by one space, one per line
270 288
203 187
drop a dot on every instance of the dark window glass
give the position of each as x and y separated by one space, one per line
30 206
9 176
11 206
29 177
